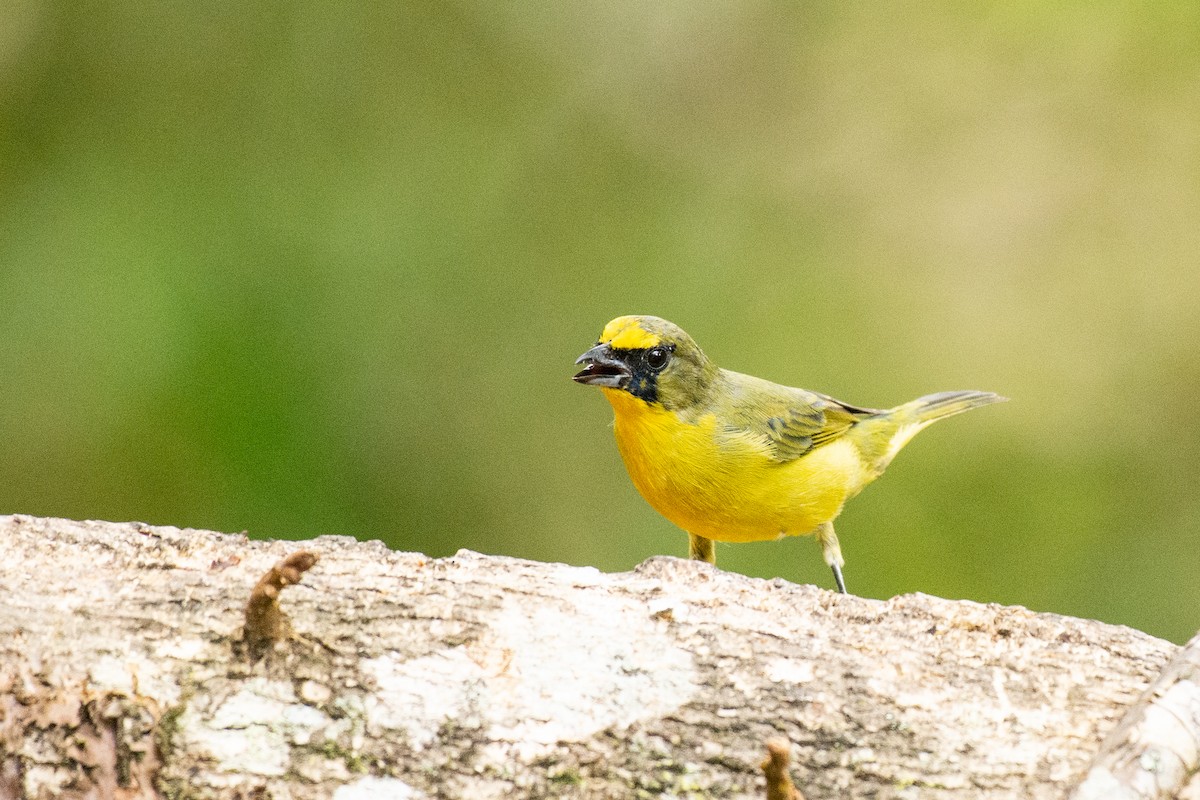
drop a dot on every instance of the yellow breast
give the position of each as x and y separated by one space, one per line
725 487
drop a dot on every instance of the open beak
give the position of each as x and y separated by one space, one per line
601 367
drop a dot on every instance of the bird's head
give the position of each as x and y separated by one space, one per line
651 359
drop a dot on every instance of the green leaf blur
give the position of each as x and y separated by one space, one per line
304 268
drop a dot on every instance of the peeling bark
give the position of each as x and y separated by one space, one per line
122 675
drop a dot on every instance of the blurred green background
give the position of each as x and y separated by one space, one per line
304 268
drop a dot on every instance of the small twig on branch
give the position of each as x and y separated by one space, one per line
775 767
265 621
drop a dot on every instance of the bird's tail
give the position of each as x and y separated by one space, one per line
932 407
906 421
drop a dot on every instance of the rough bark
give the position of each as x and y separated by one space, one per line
123 674
1154 754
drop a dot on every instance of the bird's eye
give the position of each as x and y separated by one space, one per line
657 358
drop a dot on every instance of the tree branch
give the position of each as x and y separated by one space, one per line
1154 754
481 677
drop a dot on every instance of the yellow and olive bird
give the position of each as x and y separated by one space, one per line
734 458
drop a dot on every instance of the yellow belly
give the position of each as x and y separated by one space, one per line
726 488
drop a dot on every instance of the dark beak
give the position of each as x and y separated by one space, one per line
602 367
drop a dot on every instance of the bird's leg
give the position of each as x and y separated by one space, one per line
832 552
701 549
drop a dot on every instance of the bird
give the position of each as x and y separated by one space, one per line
729 457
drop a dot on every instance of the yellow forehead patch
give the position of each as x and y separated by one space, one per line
627 333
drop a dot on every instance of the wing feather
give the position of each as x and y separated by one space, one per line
785 422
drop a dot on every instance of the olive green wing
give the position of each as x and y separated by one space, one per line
786 422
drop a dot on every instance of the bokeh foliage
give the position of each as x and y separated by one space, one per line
304 268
